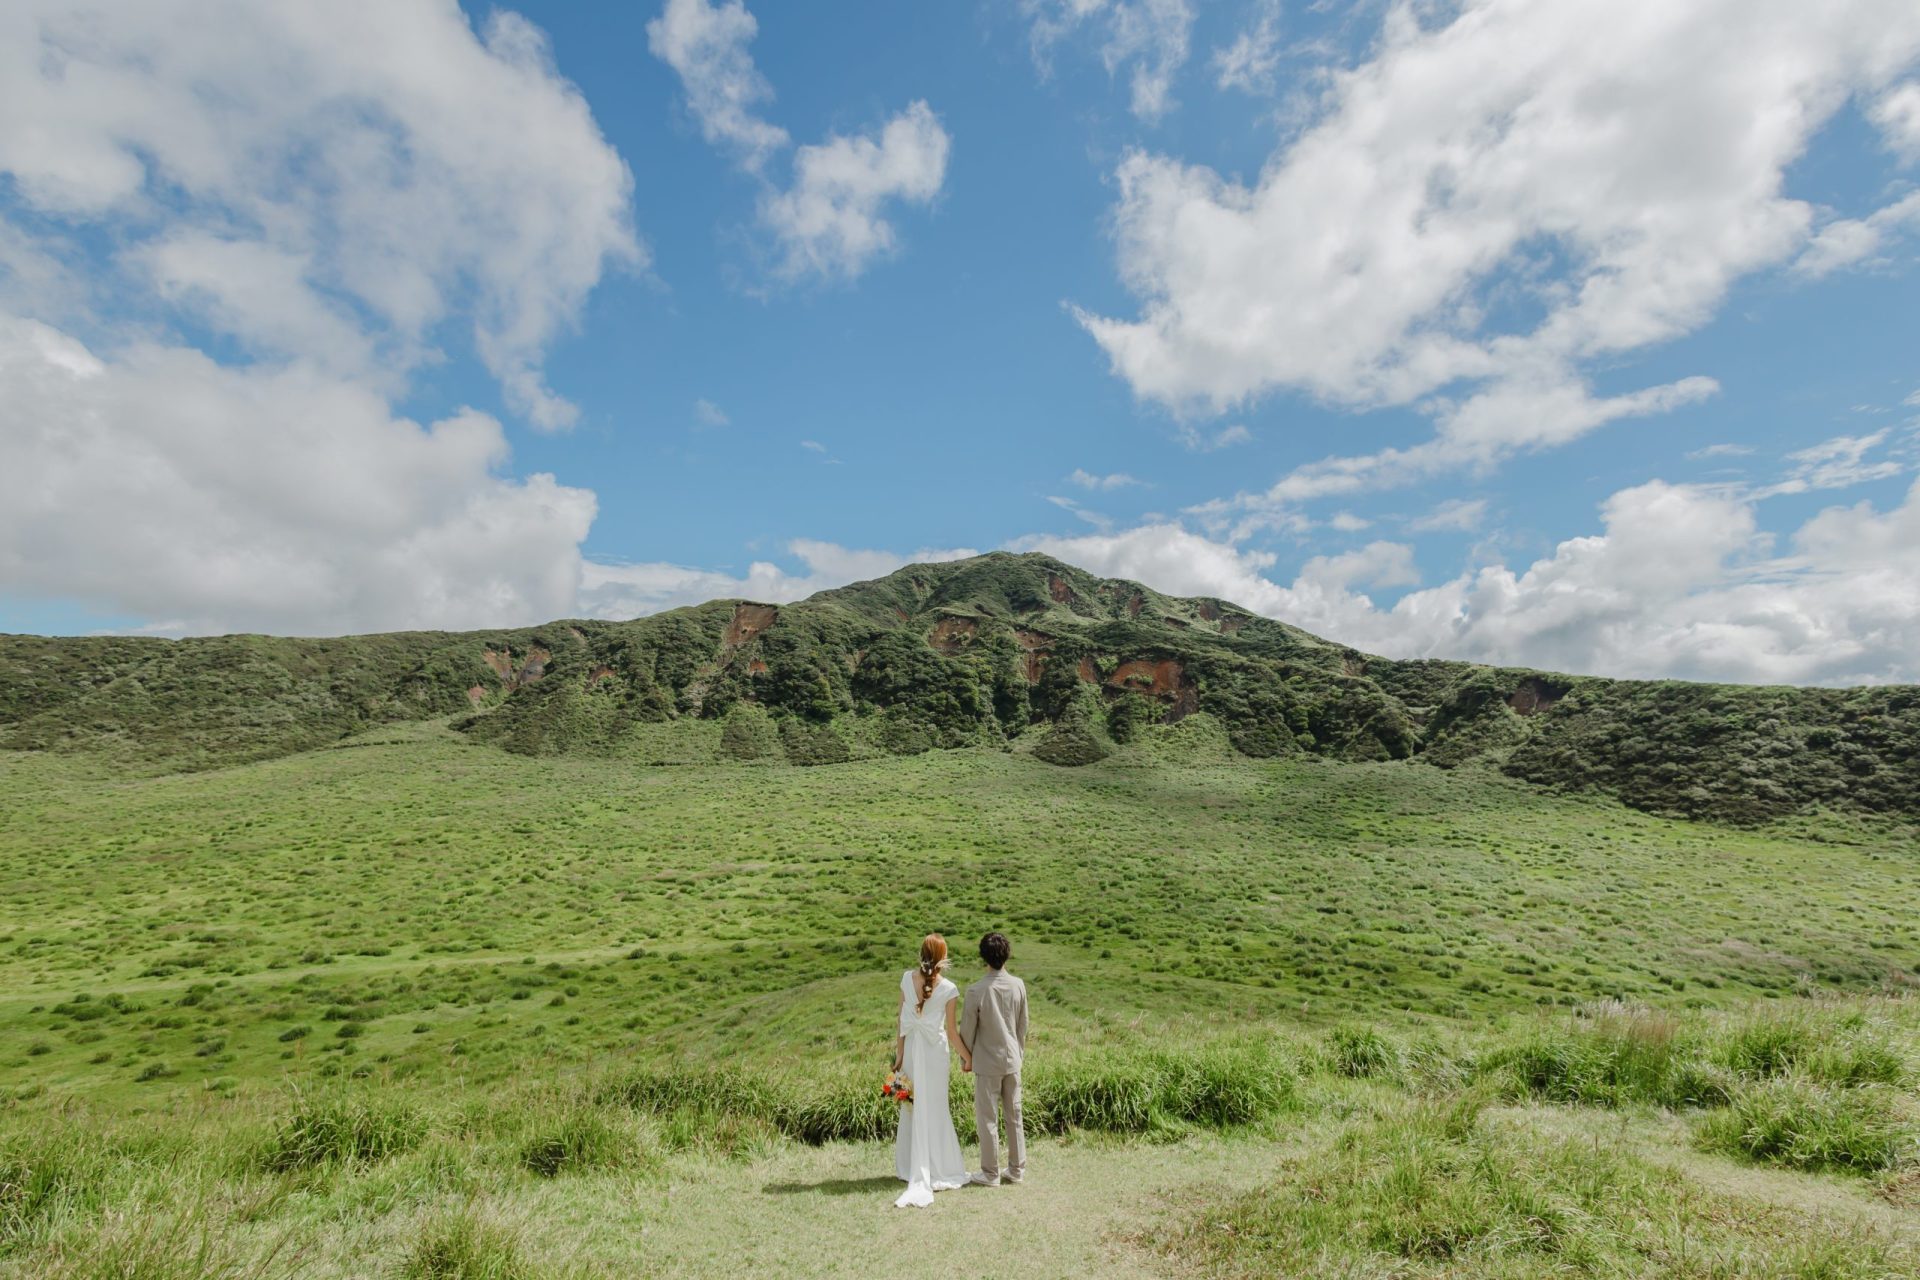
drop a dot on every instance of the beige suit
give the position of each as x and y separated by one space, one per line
993 1026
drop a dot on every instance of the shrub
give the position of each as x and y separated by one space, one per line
1078 737
1795 1123
337 1129
748 733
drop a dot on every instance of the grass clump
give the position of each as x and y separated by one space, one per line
1216 1086
1609 1056
1361 1052
1844 1050
463 1247
1442 1189
580 1140
339 1129
1797 1124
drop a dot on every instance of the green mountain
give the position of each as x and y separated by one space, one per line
996 650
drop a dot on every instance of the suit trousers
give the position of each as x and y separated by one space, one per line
990 1088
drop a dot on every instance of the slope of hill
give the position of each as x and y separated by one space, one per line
981 652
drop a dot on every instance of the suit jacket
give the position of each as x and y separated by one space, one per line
993 1023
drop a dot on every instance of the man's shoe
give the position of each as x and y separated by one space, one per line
982 1180
1011 1181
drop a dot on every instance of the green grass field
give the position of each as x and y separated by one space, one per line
412 1006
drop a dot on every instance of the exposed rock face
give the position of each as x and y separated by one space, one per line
1534 695
749 620
513 676
1165 681
951 634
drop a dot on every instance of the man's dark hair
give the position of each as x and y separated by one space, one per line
994 949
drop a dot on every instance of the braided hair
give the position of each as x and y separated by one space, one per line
933 963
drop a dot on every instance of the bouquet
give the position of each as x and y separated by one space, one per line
897 1088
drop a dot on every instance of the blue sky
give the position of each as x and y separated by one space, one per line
1518 332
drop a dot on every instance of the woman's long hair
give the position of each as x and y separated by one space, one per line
933 963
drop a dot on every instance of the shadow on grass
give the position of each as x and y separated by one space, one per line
832 1186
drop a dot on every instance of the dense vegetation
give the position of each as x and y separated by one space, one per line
980 652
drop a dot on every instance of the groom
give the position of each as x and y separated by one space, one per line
993 1028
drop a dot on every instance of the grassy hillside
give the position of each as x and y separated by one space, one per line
985 651
413 1006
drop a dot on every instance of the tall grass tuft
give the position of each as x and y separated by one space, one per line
1796 1123
341 1129
1436 1188
1362 1052
1842 1050
1610 1056
461 1246
1136 1092
578 1140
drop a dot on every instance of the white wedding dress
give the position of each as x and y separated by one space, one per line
926 1155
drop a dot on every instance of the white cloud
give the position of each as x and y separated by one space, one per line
1207 441
707 45
331 192
1680 583
1617 166
1347 522
290 173
1094 518
1898 115
1249 62
1455 515
708 414
1719 451
813 446
1848 242
830 223
632 590
1149 37
1087 480
156 482
1507 418
1839 463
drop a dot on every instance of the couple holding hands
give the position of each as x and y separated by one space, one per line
990 1028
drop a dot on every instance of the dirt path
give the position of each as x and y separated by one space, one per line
816 1212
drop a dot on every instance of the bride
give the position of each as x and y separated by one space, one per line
926 1155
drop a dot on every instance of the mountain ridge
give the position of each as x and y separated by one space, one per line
1003 648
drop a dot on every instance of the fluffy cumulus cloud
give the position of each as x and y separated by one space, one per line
231 229
1679 582
1147 39
631 590
278 499
707 45
1488 206
831 220
292 173
1898 115
1848 242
